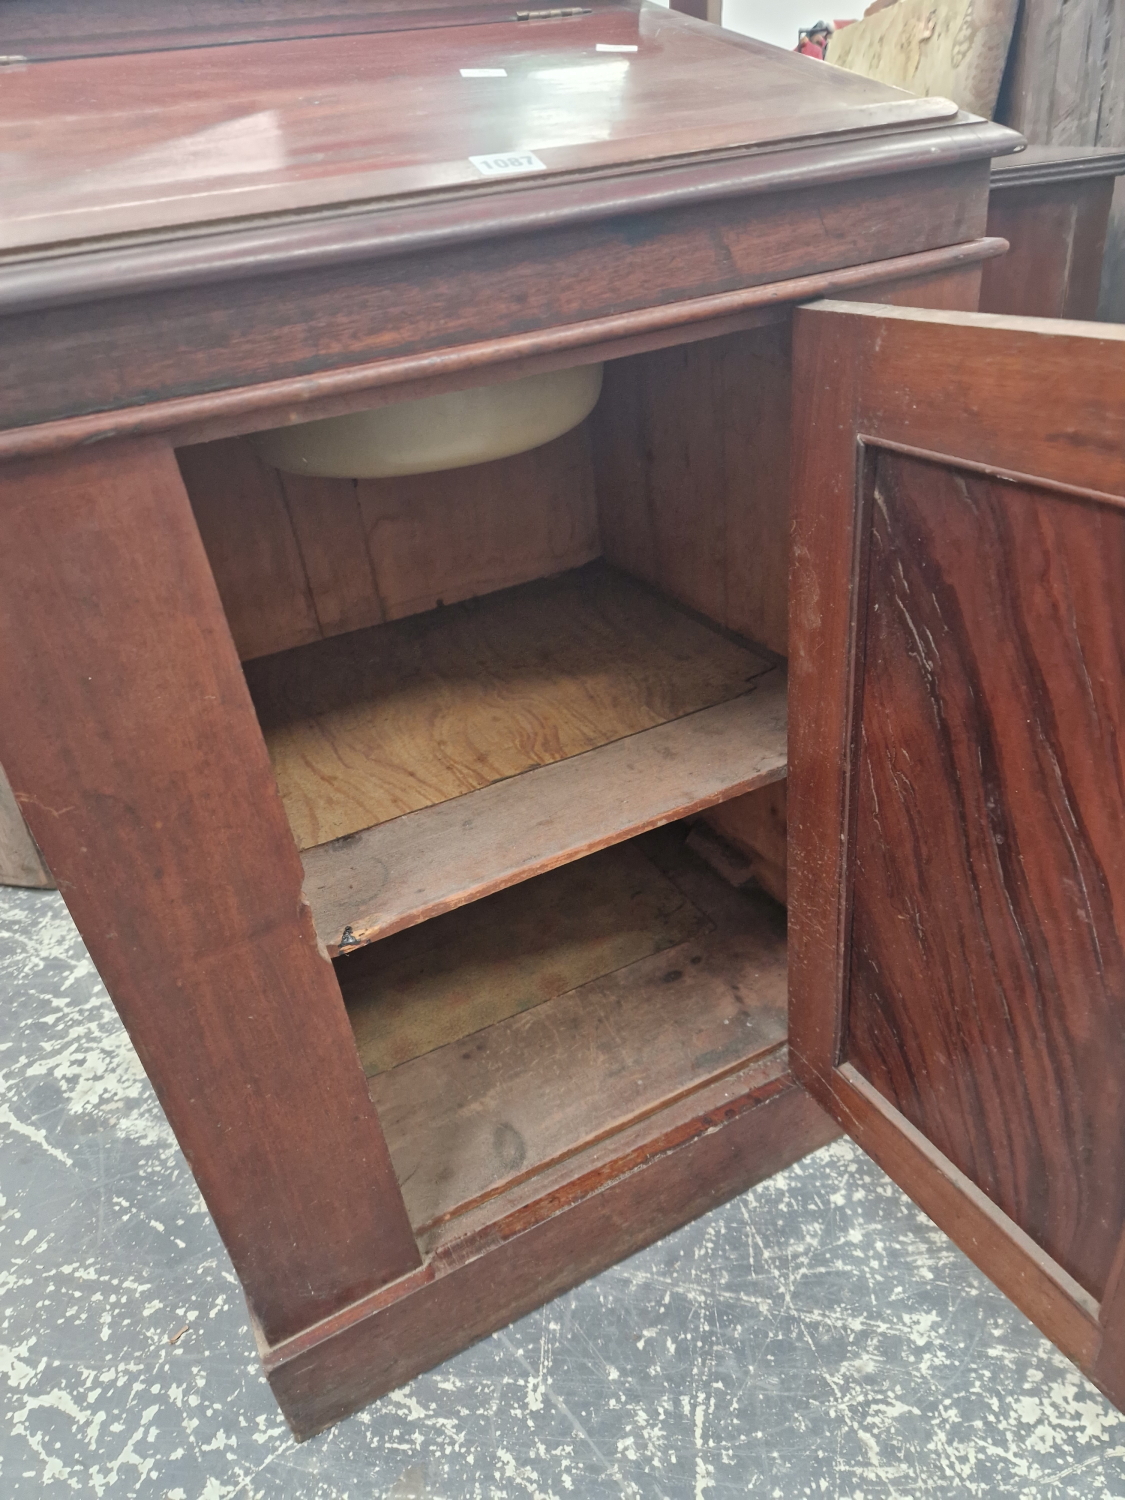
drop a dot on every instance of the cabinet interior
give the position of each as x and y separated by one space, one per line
528 725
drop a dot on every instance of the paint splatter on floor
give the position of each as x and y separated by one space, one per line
816 1337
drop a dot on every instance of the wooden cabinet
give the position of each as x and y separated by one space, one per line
368 795
1052 204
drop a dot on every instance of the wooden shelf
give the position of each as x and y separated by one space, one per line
560 1013
430 762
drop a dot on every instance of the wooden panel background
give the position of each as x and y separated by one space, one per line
1065 86
990 844
1057 233
691 456
299 559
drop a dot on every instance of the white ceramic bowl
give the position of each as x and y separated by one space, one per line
447 431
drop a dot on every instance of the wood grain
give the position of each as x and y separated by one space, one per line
39 29
378 723
297 559
239 507
441 538
472 1117
1065 87
982 829
1077 444
691 457
328 526
428 862
1042 1290
234 412
990 844
151 142
432 985
130 741
98 356
680 1163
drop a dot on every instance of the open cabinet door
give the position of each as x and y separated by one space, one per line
957 784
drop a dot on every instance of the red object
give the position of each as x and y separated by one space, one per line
807 47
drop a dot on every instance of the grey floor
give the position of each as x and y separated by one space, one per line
816 1337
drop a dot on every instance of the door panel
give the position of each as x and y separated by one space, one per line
957 780
988 878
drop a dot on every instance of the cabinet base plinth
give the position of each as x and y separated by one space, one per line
537 1242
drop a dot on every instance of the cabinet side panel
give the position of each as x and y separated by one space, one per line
989 863
131 744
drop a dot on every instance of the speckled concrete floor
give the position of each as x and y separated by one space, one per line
816 1337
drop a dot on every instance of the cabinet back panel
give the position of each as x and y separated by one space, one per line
299 559
691 457
990 844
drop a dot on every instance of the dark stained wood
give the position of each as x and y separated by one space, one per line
197 419
1038 1285
756 824
156 140
38 29
635 1188
625 1012
956 881
97 355
1065 90
954 290
1057 232
130 741
990 843
371 725
203 280
428 862
1041 165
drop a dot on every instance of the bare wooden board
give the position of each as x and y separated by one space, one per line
951 49
439 538
420 989
691 459
464 1121
299 559
415 867
377 723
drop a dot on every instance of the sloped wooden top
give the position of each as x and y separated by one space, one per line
146 143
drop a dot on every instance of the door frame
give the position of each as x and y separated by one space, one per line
877 378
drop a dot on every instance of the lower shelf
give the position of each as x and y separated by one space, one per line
508 1037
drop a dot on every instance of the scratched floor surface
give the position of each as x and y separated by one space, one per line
816 1337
